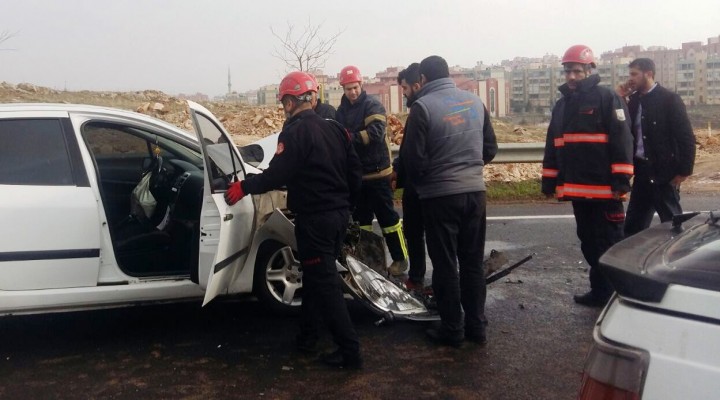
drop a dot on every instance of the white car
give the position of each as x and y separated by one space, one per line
659 336
71 238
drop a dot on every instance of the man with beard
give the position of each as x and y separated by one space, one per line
664 151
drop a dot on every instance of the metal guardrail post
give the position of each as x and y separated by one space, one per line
509 152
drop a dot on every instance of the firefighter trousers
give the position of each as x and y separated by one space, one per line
319 239
599 226
376 198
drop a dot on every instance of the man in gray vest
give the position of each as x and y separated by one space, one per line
449 140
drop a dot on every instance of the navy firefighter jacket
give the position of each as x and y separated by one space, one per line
315 159
588 150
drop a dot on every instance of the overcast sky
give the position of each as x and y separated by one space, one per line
188 45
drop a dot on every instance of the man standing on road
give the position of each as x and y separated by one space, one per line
588 160
364 117
664 147
315 159
409 80
449 140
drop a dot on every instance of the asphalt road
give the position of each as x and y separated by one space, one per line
234 349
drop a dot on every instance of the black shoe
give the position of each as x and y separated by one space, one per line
339 360
438 336
591 299
306 345
478 337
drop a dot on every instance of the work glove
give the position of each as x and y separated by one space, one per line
234 193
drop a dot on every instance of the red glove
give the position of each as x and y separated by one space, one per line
234 193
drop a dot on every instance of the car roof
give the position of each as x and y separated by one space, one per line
95 110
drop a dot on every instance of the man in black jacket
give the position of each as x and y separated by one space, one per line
317 163
364 117
664 147
414 230
449 140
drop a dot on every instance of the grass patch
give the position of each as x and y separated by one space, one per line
514 191
499 192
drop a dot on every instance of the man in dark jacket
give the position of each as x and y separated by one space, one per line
414 230
364 117
317 163
588 160
664 147
449 140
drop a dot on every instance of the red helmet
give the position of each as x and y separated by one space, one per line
350 74
296 84
580 54
314 79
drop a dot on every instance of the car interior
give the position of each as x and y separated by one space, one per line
165 241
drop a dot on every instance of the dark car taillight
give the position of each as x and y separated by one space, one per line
613 371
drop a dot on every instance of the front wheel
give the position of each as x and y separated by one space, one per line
278 278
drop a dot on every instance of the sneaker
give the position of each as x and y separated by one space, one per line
398 268
591 299
418 288
438 336
339 360
414 286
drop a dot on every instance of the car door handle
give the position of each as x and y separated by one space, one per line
228 217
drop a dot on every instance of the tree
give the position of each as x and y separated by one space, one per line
5 35
306 50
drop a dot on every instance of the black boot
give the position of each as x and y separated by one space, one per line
340 360
592 299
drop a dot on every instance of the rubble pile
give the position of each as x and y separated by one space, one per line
245 123
395 129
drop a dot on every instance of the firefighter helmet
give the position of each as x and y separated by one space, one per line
350 74
580 54
296 84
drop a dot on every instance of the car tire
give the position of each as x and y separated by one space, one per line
277 281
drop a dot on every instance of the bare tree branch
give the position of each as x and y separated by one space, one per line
306 50
5 35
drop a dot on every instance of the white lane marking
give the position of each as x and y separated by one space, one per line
511 217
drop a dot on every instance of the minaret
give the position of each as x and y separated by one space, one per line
229 82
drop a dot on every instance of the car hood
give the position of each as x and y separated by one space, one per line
662 262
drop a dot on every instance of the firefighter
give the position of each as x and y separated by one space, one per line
588 161
316 161
364 117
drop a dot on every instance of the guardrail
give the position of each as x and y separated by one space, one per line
509 152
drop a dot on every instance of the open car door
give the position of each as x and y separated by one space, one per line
225 231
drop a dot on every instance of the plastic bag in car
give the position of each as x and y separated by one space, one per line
142 199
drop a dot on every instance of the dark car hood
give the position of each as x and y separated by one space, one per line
644 265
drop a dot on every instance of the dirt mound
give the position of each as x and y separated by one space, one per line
245 123
249 123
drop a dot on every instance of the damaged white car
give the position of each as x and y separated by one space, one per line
105 208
